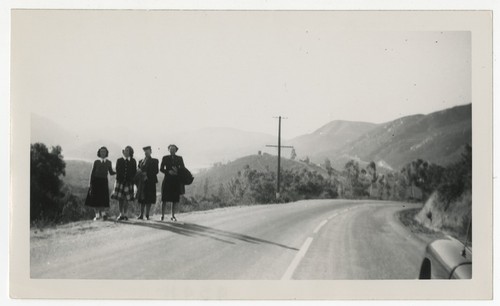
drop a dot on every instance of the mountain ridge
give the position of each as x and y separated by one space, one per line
436 137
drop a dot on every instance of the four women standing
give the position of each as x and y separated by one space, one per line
130 174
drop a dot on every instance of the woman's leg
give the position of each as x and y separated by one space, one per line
148 208
174 205
142 211
120 206
97 213
163 208
103 213
125 207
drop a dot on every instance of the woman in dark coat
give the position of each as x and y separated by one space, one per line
126 168
146 193
171 188
98 196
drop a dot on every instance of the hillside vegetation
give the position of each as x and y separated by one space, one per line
449 208
437 138
222 174
329 138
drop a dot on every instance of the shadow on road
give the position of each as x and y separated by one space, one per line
190 229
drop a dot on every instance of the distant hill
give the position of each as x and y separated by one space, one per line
77 172
48 132
331 137
81 145
222 174
200 148
438 137
88 151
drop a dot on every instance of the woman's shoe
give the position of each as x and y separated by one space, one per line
141 217
173 219
162 218
96 218
125 218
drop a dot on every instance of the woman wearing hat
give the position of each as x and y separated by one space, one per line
98 196
126 168
146 194
171 188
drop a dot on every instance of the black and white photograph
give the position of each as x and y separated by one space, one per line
245 145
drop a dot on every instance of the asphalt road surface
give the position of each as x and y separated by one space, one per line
316 239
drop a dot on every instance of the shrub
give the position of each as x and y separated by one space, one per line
46 196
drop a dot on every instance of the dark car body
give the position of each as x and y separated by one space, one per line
446 259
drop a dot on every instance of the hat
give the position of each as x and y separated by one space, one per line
172 145
147 148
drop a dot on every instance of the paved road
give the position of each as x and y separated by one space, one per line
316 239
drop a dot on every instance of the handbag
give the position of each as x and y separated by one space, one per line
140 177
185 175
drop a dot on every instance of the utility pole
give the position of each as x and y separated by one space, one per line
279 146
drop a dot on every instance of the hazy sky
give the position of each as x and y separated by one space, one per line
189 70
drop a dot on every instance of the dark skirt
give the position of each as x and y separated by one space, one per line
146 193
171 189
98 197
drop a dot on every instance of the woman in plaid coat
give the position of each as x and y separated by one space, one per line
126 168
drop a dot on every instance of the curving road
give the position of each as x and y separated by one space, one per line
315 239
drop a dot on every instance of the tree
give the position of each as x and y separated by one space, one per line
221 194
205 188
351 170
398 186
424 175
457 178
372 171
356 186
237 187
328 166
431 180
46 184
410 171
261 185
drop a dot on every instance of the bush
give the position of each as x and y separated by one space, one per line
73 208
51 201
450 207
251 186
456 179
46 196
